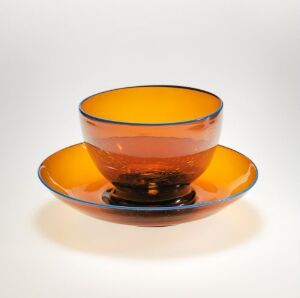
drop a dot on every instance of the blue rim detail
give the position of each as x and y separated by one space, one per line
202 204
152 124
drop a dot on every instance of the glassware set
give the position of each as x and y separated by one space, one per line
150 157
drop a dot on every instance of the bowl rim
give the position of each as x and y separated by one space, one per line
214 113
143 208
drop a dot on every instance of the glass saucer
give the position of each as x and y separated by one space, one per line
71 175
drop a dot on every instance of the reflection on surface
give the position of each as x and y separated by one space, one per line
233 226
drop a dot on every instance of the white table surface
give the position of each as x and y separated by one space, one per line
55 53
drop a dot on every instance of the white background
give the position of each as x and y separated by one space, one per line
55 53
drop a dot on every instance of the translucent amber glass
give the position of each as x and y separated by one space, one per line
151 142
151 104
73 177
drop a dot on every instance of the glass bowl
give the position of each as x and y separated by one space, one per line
151 142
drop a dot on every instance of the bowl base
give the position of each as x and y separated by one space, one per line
110 197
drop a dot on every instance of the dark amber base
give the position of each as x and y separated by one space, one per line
154 188
114 196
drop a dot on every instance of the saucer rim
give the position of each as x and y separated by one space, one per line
215 113
141 208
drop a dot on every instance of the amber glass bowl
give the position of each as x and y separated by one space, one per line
71 175
151 142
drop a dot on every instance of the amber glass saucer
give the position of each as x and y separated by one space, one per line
71 175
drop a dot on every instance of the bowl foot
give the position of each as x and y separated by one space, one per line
110 196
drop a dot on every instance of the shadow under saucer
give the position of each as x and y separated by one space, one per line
229 228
